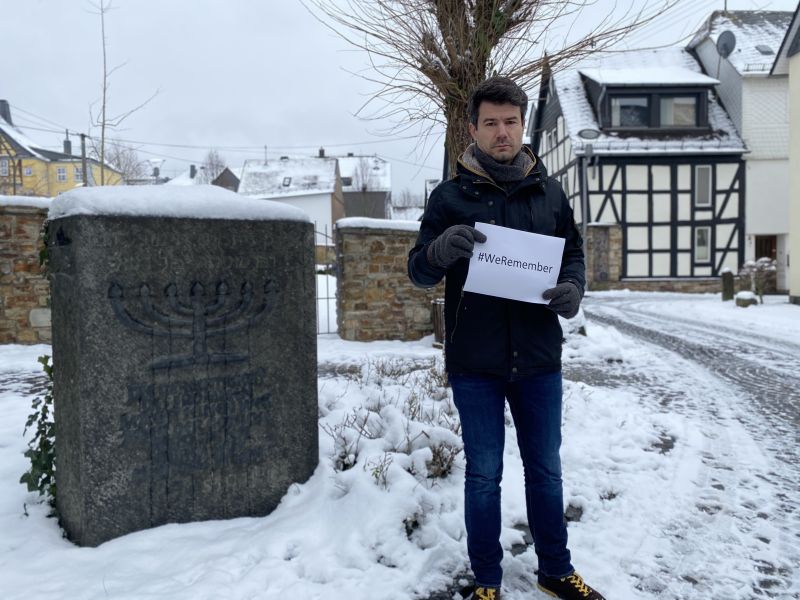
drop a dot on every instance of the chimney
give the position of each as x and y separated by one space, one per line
192 171
322 152
5 111
67 145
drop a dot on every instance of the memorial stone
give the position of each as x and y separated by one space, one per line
184 347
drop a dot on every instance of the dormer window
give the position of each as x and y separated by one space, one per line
654 110
678 111
630 111
642 101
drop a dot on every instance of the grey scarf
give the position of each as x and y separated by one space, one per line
501 172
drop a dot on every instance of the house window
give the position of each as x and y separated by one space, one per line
287 181
702 244
678 111
3 167
347 181
28 171
630 111
702 186
61 174
78 175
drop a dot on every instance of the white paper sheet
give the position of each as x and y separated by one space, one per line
514 264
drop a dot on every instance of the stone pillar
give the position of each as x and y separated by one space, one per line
375 300
603 246
184 355
24 289
727 285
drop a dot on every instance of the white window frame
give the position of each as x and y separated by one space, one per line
28 171
697 202
61 174
704 258
3 167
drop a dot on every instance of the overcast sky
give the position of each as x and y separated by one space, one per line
236 75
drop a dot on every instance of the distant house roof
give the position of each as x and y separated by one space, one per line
373 171
188 177
21 144
758 33
579 114
25 147
286 176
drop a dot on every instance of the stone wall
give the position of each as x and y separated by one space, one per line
603 246
24 290
374 298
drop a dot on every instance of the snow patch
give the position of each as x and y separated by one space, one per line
195 202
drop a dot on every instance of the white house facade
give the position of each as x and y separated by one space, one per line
639 143
757 99
788 63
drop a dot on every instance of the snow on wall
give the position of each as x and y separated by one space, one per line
30 201
195 202
367 223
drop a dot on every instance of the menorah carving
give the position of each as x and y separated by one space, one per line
198 319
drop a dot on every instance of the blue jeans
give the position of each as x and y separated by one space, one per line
535 404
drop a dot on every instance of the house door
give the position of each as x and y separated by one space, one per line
766 245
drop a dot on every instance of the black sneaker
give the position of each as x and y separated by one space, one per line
485 593
571 587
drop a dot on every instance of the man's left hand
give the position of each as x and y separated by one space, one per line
565 299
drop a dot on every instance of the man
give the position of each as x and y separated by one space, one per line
499 350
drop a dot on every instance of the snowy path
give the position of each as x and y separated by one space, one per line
737 535
681 474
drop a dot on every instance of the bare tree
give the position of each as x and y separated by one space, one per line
125 160
102 119
426 56
363 178
213 164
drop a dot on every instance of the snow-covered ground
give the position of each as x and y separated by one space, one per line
670 492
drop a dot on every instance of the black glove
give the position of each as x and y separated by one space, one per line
455 242
565 299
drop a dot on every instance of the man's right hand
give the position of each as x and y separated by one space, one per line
455 242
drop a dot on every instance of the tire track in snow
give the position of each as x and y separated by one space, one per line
750 509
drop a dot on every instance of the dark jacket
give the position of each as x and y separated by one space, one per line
486 334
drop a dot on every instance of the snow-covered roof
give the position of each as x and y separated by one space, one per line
15 136
670 76
184 178
579 114
279 178
368 223
372 170
758 33
195 202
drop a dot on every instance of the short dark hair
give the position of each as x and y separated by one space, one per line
499 90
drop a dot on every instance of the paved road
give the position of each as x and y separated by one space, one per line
719 375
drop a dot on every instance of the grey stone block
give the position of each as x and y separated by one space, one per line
39 317
185 369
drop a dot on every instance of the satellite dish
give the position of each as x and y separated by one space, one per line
726 42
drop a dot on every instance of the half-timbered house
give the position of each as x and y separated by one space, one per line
652 165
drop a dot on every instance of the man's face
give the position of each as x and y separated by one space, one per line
499 130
